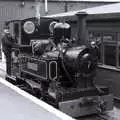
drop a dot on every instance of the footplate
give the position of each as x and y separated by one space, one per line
87 105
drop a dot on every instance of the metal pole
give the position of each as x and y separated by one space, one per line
37 8
3 56
46 6
66 6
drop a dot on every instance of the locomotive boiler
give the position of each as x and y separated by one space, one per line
60 70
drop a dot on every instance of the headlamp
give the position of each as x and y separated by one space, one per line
29 27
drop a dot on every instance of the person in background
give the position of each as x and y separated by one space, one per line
7 43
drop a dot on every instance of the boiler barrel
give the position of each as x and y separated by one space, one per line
79 59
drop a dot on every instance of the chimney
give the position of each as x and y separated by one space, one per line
81 28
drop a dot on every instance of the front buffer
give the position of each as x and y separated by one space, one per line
87 105
81 102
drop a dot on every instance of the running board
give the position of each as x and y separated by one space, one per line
11 77
33 84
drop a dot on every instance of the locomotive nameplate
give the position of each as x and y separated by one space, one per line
39 68
32 66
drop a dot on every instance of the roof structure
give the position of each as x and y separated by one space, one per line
100 10
103 1
88 0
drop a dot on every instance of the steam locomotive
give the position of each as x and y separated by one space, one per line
59 70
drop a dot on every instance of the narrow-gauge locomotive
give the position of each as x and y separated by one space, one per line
62 70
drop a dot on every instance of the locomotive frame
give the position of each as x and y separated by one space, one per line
74 101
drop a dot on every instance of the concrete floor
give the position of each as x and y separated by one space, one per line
2 69
2 74
16 107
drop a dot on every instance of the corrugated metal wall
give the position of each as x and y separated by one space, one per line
13 10
59 6
7 12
